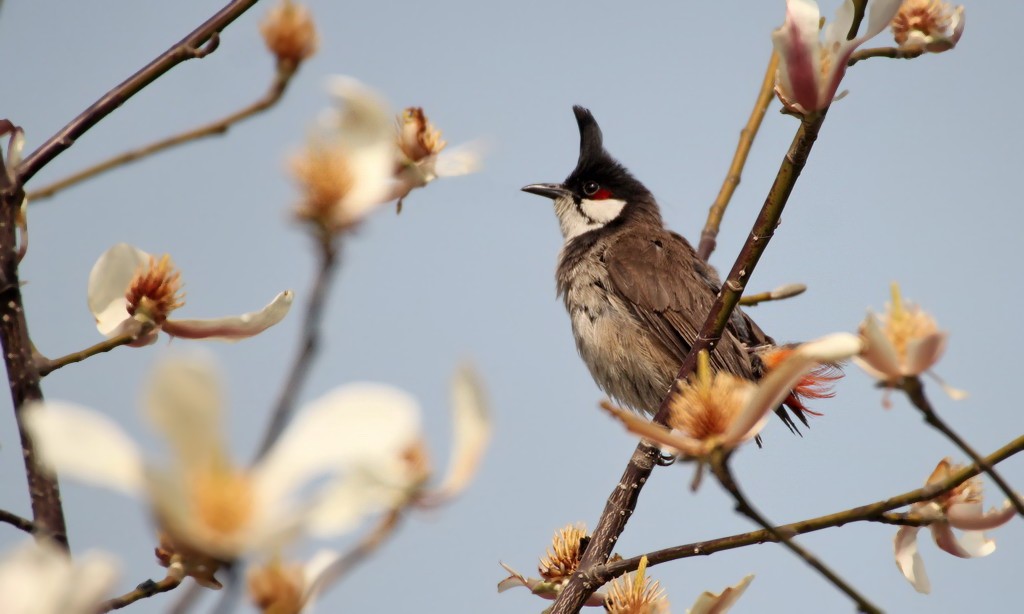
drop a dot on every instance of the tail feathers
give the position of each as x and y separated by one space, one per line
818 384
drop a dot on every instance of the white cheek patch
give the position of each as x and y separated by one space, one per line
586 216
602 211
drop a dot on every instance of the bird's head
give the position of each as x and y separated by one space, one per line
599 192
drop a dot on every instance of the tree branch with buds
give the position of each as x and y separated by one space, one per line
282 77
878 511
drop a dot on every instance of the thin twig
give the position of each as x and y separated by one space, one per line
282 77
720 467
622 501
872 512
739 159
366 546
145 590
192 46
17 521
778 294
47 366
307 345
915 391
895 53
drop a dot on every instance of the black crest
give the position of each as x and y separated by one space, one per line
591 140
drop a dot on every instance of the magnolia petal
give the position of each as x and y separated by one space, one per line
924 352
959 21
366 131
233 328
720 603
353 424
184 402
84 444
472 422
879 352
37 578
541 588
673 440
797 43
109 281
779 382
464 159
909 560
972 517
971 544
316 575
362 492
880 15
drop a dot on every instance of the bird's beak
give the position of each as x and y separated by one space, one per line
551 190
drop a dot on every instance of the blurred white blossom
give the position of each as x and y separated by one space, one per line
347 167
422 158
276 587
207 506
38 578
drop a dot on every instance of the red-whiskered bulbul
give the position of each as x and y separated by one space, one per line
636 292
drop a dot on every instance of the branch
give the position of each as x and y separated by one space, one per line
720 467
307 346
19 359
145 590
915 391
895 53
47 366
622 501
192 46
283 76
876 511
17 521
732 178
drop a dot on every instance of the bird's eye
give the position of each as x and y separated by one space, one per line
590 188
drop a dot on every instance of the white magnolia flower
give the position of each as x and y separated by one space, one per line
38 578
203 502
405 480
422 156
960 508
346 169
720 603
723 410
931 25
131 291
903 342
810 69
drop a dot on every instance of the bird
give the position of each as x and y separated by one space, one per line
636 292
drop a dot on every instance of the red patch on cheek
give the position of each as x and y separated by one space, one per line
602 194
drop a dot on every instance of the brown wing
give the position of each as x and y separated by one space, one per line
671 290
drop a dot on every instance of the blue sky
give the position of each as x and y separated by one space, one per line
913 179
